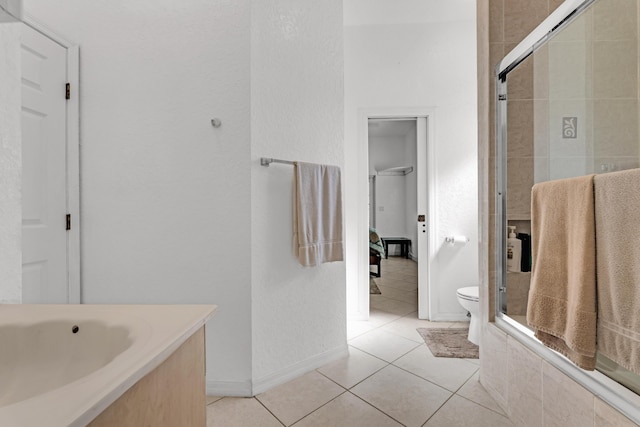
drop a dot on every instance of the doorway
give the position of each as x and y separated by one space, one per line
418 221
50 168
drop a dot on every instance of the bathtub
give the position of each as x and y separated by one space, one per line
65 364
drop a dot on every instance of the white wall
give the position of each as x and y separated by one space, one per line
176 211
299 314
404 54
165 197
14 9
10 166
391 203
396 195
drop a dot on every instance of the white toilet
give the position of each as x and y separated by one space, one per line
469 299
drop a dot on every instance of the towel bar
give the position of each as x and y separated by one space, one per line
266 161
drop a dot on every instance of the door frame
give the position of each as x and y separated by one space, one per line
424 286
74 294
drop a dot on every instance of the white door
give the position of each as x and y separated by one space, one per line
44 188
423 218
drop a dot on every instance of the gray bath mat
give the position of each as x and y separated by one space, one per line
449 342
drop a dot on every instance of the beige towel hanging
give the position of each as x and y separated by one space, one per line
562 297
317 214
617 198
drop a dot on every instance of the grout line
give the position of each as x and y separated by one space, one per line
477 403
424 379
375 407
439 407
321 406
366 378
269 410
488 409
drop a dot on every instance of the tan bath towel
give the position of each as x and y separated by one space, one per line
562 297
317 214
617 197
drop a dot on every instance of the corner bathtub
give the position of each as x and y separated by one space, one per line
63 365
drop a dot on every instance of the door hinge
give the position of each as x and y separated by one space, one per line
68 91
68 222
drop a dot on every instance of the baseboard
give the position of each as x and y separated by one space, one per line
229 388
287 374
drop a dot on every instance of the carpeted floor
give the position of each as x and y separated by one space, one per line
449 342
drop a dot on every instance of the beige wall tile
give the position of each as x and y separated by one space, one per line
541 128
553 5
541 73
615 19
519 184
567 167
518 293
615 69
521 17
579 29
615 128
565 402
541 169
520 80
520 129
606 416
568 70
525 385
496 20
493 359
475 392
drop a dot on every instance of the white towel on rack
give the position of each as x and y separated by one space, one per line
317 214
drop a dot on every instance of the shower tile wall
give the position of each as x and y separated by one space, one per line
502 24
616 109
586 77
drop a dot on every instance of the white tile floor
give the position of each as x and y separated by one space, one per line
390 377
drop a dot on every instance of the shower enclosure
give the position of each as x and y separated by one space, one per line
567 105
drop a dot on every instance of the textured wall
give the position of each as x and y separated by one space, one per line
298 313
387 152
165 197
14 7
10 166
175 211
420 62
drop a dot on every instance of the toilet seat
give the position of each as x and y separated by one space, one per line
470 293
